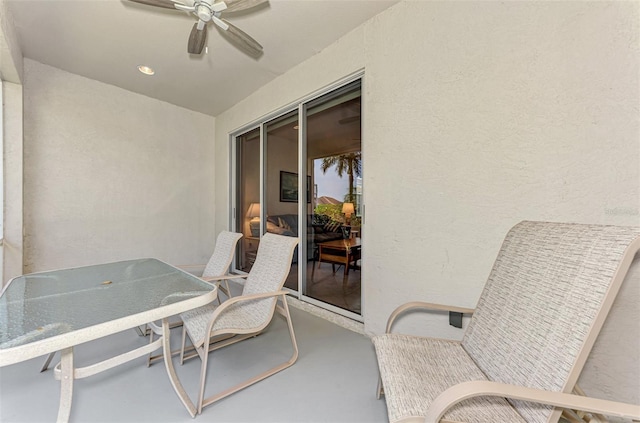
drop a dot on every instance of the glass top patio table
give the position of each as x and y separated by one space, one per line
49 311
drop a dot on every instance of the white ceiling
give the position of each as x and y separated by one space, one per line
106 40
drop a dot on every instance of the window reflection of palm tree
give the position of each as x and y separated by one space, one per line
350 164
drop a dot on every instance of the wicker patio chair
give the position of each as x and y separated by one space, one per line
541 310
215 271
212 327
217 268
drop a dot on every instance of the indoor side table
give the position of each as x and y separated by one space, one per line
339 251
45 312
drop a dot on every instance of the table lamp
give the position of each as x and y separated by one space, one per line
347 209
254 213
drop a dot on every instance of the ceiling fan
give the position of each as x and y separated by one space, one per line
211 11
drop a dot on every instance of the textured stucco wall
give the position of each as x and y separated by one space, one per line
12 129
477 115
111 174
11 64
11 73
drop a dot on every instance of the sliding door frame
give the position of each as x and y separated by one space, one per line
236 215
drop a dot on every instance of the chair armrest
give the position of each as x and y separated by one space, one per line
424 306
187 267
466 390
223 278
231 301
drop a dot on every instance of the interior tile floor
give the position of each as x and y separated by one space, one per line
334 380
327 286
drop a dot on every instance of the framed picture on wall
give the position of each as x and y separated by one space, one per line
289 187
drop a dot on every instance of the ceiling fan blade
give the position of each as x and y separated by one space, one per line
243 39
184 7
167 4
188 3
237 5
197 39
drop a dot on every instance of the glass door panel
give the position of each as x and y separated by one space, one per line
334 160
247 197
281 183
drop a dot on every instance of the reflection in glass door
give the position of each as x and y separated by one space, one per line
281 183
247 213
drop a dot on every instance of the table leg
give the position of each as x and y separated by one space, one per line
173 377
45 366
66 384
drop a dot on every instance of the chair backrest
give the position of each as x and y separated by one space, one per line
544 303
269 271
222 254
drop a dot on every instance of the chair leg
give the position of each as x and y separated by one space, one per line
184 340
226 290
284 311
203 376
292 334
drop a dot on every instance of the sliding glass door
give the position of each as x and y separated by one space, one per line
281 183
335 162
319 138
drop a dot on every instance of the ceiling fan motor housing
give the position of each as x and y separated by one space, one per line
204 12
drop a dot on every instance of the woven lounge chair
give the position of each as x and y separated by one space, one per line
212 327
543 305
215 271
217 268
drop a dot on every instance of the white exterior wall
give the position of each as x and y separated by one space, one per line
11 74
476 115
11 67
111 175
13 245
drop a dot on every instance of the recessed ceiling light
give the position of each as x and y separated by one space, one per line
146 70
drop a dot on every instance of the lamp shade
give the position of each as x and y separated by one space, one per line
347 208
254 210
